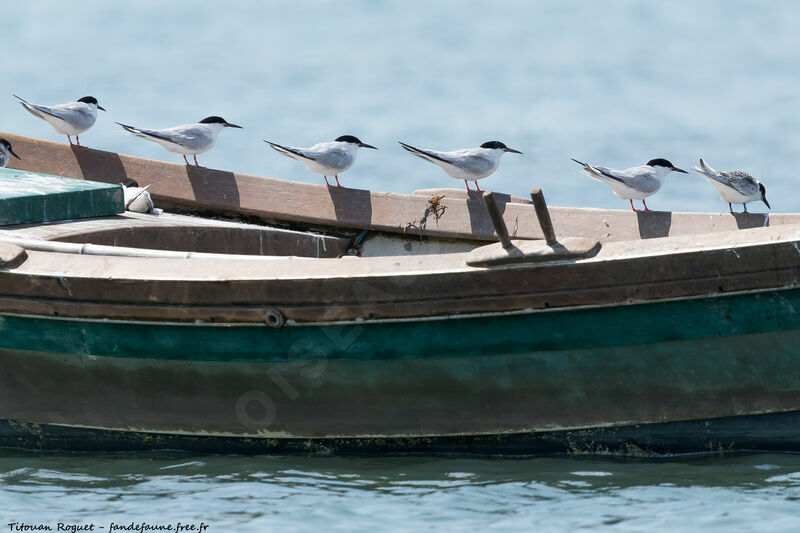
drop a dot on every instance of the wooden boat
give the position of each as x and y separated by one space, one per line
293 317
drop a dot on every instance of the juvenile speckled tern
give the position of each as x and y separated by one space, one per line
468 164
734 186
6 152
68 119
328 158
635 183
186 139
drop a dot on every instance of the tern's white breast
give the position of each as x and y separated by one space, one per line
731 195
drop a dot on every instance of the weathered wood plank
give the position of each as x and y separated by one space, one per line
11 255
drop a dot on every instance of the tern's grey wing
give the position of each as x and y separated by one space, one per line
476 164
465 160
639 178
40 111
75 115
3 159
428 155
291 151
335 158
608 173
742 182
145 133
619 175
189 136
62 112
30 108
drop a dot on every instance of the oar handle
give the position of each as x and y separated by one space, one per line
497 219
544 216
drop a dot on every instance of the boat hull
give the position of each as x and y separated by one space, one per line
517 382
777 432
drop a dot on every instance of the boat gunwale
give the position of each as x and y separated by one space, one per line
431 318
462 290
609 252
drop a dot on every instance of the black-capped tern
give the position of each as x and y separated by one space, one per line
72 118
186 139
6 152
635 183
734 186
328 158
468 164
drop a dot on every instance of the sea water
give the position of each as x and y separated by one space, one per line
615 83
756 492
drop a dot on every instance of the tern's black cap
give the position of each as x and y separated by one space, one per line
660 162
494 144
354 140
218 120
8 147
499 146
213 120
348 139
91 100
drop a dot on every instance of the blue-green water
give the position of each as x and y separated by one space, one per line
758 492
615 82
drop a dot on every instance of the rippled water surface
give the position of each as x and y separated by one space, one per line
614 82
735 493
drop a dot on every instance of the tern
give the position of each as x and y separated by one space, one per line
6 152
137 199
635 183
72 118
735 186
328 158
186 139
468 164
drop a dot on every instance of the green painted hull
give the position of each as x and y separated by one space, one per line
494 376
506 334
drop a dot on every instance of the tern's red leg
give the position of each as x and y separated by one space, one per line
337 180
467 184
631 201
196 163
69 139
187 161
477 187
326 181
645 205
78 140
